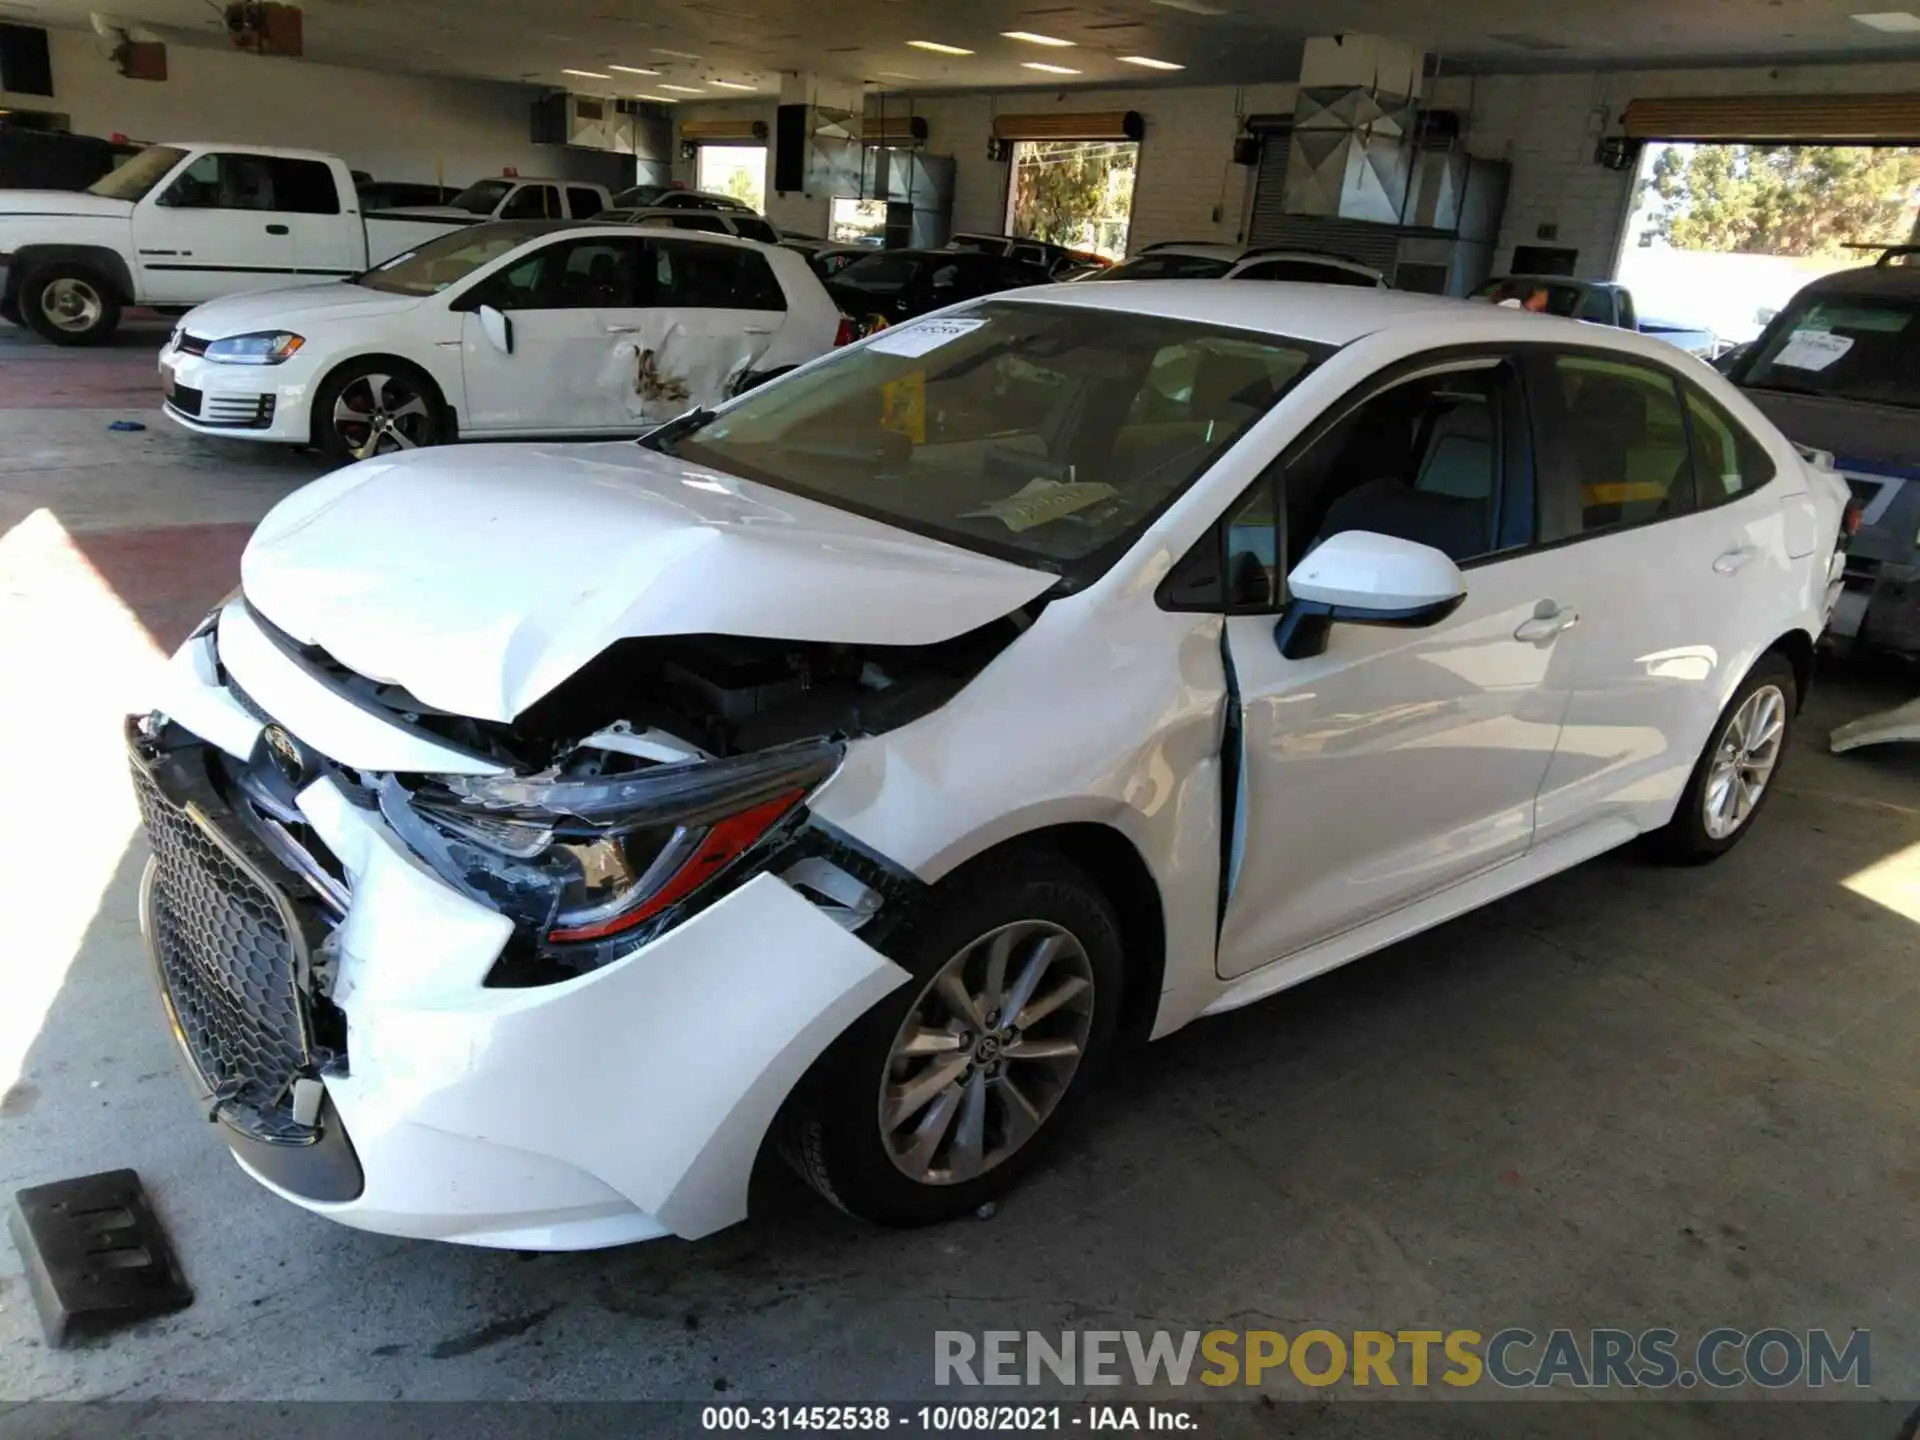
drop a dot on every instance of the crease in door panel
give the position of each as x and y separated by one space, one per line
1233 785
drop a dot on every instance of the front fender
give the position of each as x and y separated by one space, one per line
30 256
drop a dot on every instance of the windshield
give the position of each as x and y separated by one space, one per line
445 261
133 178
1843 347
1565 298
1166 267
1049 435
482 197
639 196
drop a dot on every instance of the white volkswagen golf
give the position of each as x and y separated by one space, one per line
522 327
543 832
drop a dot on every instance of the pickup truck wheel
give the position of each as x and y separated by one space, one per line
69 304
375 407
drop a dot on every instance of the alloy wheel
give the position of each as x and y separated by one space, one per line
1744 761
986 1052
72 305
377 414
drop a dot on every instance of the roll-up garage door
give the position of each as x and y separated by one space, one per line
1788 119
1067 125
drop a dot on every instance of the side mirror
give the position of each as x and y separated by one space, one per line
1360 578
497 328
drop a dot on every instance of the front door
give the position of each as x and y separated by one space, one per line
213 231
1401 761
573 368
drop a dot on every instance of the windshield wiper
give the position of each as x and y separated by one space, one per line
674 431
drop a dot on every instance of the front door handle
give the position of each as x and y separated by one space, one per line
1549 619
276 229
1734 560
623 329
756 330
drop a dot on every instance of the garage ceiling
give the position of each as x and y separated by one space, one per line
696 44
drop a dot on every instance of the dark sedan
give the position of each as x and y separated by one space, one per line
896 285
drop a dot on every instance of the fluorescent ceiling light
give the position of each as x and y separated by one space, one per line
883 74
587 74
677 54
938 48
1050 69
1149 62
1033 39
732 85
1193 7
1894 22
661 99
683 89
633 69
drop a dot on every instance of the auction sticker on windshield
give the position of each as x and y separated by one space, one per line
1813 349
922 336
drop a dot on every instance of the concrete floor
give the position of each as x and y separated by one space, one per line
1630 1097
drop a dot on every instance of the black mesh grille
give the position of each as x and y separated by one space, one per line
185 399
229 967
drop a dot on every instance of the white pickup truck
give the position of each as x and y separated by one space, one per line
177 225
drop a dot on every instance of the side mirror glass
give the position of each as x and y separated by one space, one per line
497 328
1360 578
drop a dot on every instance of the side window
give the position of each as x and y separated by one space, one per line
582 202
1597 306
567 275
305 187
711 277
1727 461
223 182
752 227
1253 550
1436 459
1624 458
532 202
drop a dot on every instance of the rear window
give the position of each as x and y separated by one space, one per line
1308 271
1842 347
752 227
880 274
1049 435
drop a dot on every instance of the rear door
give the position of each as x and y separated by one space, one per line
712 313
328 240
573 368
1654 505
213 230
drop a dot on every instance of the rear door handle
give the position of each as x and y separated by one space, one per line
1548 621
1734 560
276 229
623 329
756 330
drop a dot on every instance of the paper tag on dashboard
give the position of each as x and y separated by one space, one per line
1039 501
916 339
1813 349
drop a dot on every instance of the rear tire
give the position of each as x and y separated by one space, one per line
918 1113
377 407
69 303
1738 770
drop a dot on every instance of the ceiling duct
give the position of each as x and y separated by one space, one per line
1351 149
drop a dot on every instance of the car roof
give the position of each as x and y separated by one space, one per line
626 228
1331 315
1868 280
1200 249
1310 257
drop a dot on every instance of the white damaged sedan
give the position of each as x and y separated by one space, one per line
543 833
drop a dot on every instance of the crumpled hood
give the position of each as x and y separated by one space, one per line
479 577
62 202
291 305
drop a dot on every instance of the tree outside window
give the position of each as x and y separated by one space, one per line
1076 193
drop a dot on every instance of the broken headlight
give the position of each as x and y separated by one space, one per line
604 858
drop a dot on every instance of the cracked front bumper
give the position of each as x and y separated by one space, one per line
627 1103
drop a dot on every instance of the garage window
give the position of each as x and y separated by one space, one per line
1076 193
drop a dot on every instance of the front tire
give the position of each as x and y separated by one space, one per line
1736 773
376 407
941 1096
69 303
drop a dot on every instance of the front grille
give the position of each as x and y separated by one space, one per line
185 399
229 964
